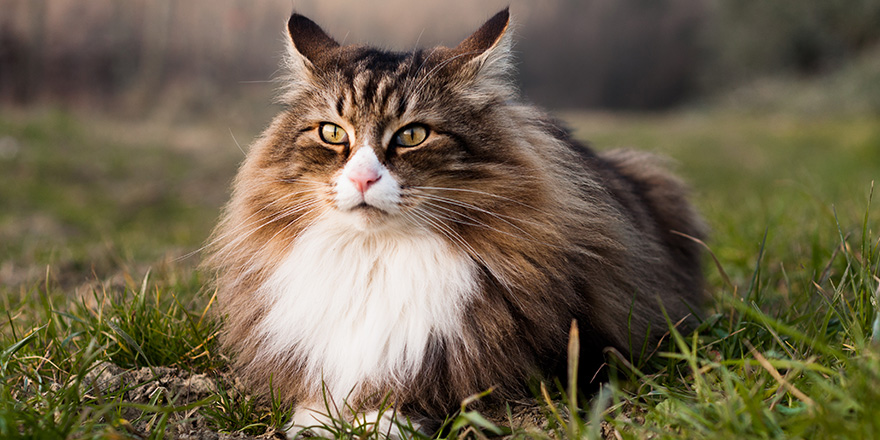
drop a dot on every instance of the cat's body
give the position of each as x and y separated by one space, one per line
406 230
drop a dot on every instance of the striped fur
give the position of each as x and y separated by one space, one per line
463 266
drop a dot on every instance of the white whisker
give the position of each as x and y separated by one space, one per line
317 183
478 223
454 236
285 213
508 199
286 227
473 222
465 205
243 224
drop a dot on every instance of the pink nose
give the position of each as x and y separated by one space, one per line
364 178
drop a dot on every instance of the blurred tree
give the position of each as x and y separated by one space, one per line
750 38
642 54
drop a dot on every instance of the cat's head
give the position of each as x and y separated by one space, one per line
377 138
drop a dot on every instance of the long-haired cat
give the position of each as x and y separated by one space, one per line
406 231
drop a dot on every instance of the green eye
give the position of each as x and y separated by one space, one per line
332 133
411 135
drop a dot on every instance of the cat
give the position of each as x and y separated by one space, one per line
407 233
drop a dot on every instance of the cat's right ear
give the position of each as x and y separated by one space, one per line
308 39
307 44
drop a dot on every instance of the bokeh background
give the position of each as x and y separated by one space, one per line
122 122
618 54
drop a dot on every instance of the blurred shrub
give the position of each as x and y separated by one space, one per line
751 38
613 53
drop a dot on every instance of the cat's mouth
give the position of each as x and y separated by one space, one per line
366 209
368 217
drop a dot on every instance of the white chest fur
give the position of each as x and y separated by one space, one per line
360 308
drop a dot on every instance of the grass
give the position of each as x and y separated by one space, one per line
94 222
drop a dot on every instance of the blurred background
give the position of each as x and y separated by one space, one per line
617 54
122 122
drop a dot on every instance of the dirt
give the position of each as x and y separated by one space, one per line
164 386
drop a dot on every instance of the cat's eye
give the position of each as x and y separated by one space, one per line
411 135
332 134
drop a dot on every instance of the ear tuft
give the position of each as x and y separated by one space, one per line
308 38
487 35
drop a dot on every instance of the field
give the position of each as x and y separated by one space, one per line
106 331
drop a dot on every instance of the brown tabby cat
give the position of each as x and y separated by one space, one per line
407 230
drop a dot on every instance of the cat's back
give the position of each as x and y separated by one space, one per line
659 230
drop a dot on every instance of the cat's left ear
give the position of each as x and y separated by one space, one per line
488 51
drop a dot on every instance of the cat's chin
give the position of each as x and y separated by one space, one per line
369 218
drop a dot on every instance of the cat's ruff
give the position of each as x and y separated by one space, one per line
359 307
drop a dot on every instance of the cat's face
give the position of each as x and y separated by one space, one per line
376 139
370 139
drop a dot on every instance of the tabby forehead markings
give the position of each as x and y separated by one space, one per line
384 91
361 90
340 105
371 94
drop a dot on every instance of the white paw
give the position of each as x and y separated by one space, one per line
313 420
309 420
391 425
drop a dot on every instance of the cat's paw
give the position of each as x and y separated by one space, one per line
309 421
393 426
